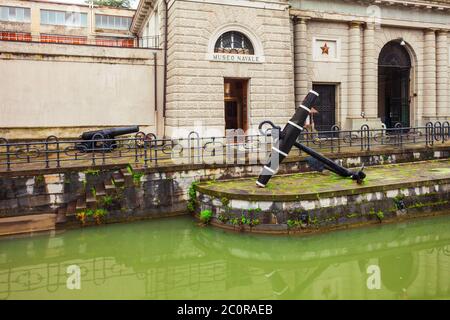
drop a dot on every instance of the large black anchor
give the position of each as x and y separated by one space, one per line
288 139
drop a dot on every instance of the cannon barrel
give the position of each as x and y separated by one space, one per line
103 140
110 132
288 138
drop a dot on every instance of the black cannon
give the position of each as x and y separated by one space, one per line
288 138
103 140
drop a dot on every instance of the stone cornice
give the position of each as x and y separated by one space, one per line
422 4
143 10
356 23
346 17
438 4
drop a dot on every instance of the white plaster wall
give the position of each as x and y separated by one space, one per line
54 93
59 87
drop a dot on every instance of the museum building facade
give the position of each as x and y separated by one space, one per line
172 66
234 63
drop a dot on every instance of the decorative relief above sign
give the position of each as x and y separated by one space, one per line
326 49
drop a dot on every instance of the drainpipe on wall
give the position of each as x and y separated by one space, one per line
294 21
166 31
155 75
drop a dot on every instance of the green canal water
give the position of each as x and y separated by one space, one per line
176 259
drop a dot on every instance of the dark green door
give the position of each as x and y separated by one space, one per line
326 107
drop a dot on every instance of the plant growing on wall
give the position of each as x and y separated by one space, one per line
313 220
192 197
99 214
94 192
107 201
234 221
380 215
39 180
243 220
137 176
83 215
92 172
205 216
225 201
252 219
294 224
224 218
254 222
399 201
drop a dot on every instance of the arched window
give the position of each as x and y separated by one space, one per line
234 42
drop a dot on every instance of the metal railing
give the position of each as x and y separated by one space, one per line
146 150
102 41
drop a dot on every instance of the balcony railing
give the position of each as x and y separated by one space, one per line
102 41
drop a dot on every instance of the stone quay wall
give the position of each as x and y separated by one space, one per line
128 194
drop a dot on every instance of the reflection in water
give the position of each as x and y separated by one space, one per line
175 259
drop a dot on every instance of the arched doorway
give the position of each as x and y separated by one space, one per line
394 71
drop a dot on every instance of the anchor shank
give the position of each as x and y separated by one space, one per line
330 164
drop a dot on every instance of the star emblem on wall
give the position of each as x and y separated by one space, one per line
325 49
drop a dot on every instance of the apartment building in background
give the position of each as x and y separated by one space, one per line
45 21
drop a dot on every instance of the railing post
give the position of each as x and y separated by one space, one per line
145 153
195 147
365 137
8 156
445 131
429 128
96 137
47 151
28 152
335 130
437 130
398 130
103 150
58 155
155 157
148 147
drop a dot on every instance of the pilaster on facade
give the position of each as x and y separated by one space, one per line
302 82
442 75
370 76
429 75
354 71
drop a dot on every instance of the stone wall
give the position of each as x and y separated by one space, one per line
325 213
196 84
155 192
